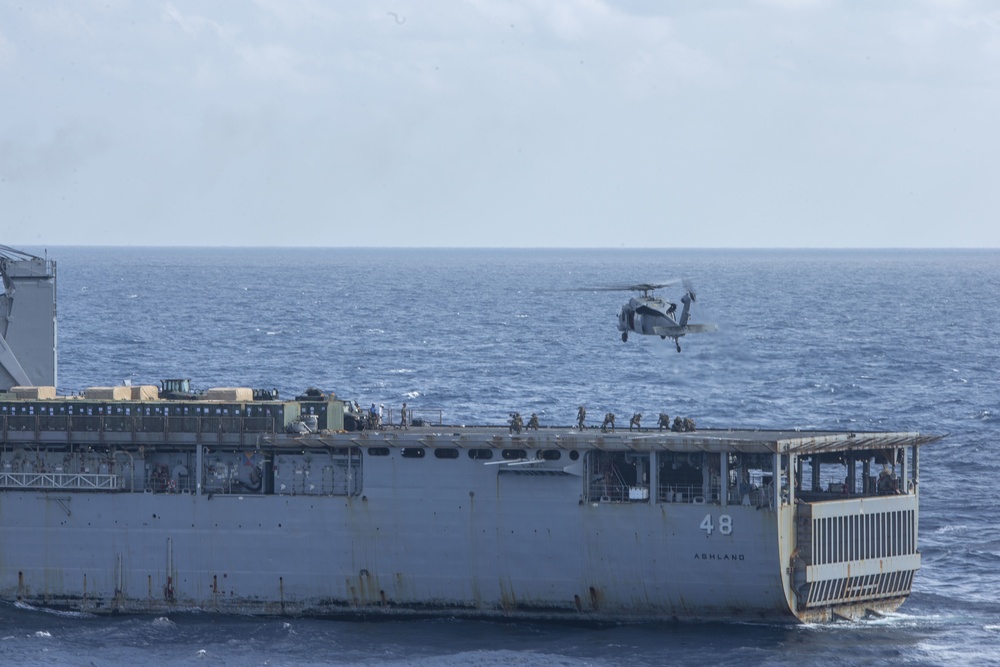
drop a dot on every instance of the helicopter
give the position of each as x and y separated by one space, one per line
652 316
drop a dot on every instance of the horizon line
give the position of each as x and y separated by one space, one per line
538 248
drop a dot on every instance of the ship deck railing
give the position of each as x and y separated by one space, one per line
612 488
687 493
137 429
180 484
60 480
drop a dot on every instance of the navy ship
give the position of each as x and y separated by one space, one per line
160 499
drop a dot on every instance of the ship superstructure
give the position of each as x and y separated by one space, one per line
27 319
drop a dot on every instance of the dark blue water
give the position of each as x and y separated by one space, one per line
901 340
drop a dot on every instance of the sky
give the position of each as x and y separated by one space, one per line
521 123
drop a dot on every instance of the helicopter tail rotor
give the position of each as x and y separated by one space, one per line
687 300
689 288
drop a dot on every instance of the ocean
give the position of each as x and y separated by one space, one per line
844 339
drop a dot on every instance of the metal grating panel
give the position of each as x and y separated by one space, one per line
842 539
858 589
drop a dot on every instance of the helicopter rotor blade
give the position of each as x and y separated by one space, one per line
638 287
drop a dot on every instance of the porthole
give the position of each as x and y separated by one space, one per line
514 454
378 451
446 453
413 452
483 454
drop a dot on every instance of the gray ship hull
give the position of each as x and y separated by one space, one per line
451 556
348 530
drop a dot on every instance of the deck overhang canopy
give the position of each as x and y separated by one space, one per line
800 443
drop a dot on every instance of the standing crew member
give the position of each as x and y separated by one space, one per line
402 417
581 415
515 423
635 421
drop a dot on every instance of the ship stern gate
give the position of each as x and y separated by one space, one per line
853 512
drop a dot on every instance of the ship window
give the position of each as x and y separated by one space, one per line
514 454
551 454
617 477
480 453
378 451
574 455
446 453
413 452
682 477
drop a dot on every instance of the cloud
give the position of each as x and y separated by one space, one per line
795 4
490 123
7 52
195 25
50 159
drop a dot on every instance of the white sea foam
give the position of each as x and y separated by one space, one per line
55 612
952 528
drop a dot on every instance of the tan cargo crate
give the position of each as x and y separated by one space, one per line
230 394
120 393
145 392
33 392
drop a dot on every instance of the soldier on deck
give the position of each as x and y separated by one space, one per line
515 423
678 425
581 415
402 417
689 424
888 483
664 422
636 421
533 422
609 422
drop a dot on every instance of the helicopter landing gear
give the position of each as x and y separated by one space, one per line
678 343
624 336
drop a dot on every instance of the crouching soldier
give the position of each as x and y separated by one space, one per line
609 422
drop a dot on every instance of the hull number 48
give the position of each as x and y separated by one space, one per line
725 524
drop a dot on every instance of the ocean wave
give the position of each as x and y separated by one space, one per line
55 612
